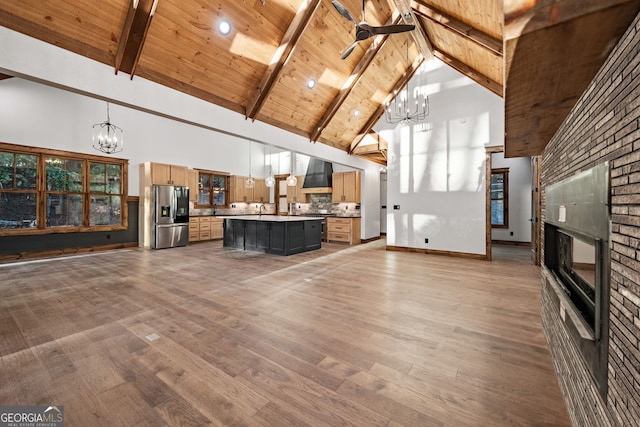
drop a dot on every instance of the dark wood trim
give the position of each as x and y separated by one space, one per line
487 202
41 191
372 239
63 153
437 252
511 243
44 254
505 197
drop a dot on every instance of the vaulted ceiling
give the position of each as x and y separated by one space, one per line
538 54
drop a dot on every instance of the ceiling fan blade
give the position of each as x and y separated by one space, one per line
387 29
348 50
343 11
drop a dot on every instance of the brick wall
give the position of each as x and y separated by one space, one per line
605 125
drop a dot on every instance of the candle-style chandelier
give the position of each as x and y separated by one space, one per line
107 137
403 109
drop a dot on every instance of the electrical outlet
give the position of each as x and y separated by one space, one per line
511 233
426 240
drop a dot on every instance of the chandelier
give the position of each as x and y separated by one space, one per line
107 137
403 109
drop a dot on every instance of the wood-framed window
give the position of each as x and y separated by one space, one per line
500 198
213 189
53 191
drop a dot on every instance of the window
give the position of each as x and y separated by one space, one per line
42 189
500 198
105 190
212 189
18 195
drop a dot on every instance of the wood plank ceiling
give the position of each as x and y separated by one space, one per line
262 67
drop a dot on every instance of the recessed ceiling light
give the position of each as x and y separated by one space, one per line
311 83
356 113
224 27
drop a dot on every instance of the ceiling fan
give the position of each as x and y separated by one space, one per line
364 30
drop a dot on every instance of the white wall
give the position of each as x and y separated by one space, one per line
160 124
519 198
437 177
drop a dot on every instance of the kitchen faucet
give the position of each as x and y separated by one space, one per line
260 209
214 209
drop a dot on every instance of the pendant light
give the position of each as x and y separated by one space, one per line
107 137
249 182
270 181
292 181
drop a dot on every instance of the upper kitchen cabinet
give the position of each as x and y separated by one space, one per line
161 173
260 191
192 182
346 187
238 193
295 193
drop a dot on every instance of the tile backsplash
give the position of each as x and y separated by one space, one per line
322 204
318 204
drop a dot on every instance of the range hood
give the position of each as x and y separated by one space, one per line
318 178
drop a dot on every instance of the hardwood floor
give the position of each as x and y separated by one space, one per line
341 336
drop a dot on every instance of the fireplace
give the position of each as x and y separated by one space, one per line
576 263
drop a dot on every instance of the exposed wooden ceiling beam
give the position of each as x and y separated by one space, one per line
4 76
419 35
373 119
457 26
525 16
282 55
474 75
133 35
356 75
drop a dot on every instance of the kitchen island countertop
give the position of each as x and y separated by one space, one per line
273 218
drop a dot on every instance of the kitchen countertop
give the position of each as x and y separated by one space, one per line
272 218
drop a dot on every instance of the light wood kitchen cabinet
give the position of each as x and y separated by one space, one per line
295 193
345 230
192 182
260 191
238 193
346 187
194 229
162 173
216 228
205 228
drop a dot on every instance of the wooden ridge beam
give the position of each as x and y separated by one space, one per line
457 26
134 33
373 119
282 55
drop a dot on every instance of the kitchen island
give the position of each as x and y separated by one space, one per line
273 234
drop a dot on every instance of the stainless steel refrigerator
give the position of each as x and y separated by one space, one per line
170 216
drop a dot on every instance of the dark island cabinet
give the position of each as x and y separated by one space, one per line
271 236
